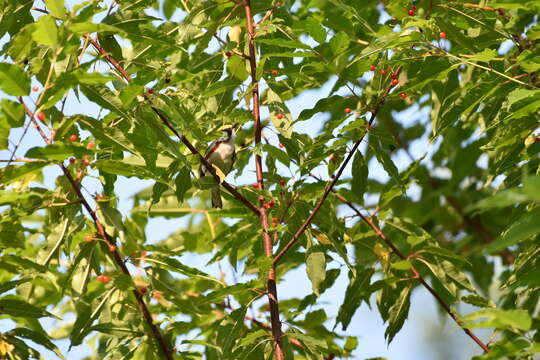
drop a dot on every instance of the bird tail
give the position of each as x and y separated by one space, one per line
216 197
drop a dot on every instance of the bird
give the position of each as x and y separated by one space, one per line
222 154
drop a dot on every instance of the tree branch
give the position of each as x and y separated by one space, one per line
335 179
156 333
263 216
416 274
168 124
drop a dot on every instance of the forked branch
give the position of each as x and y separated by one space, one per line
154 329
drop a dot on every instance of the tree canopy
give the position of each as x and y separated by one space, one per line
395 142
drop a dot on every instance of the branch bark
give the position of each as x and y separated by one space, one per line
335 179
263 216
416 274
156 333
169 125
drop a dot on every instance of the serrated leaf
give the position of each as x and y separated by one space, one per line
398 314
359 176
14 80
500 319
526 227
354 295
183 183
19 308
38 338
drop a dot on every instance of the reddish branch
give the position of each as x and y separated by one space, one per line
474 222
167 123
335 179
263 216
416 274
156 333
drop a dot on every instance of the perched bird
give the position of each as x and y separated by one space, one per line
221 153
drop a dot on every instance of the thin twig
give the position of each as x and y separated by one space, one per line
267 239
169 125
335 179
166 350
416 274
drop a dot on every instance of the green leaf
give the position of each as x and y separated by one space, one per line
57 151
316 267
238 317
279 110
359 176
357 291
398 313
37 337
283 43
314 28
56 7
500 319
19 308
277 154
46 32
183 183
175 265
12 173
387 162
13 80
524 228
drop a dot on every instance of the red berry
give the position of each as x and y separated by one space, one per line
90 145
395 82
150 91
279 116
442 35
383 72
35 88
282 182
402 95
103 278
228 54
73 137
86 161
347 110
41 116
410 12
143 290
72 160
156 294
112 248
281 146
275 72
255 186
88 238
144 254
394 76
270 204
372 68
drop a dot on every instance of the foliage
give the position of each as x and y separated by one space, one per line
444 190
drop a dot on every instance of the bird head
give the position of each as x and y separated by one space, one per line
229 130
